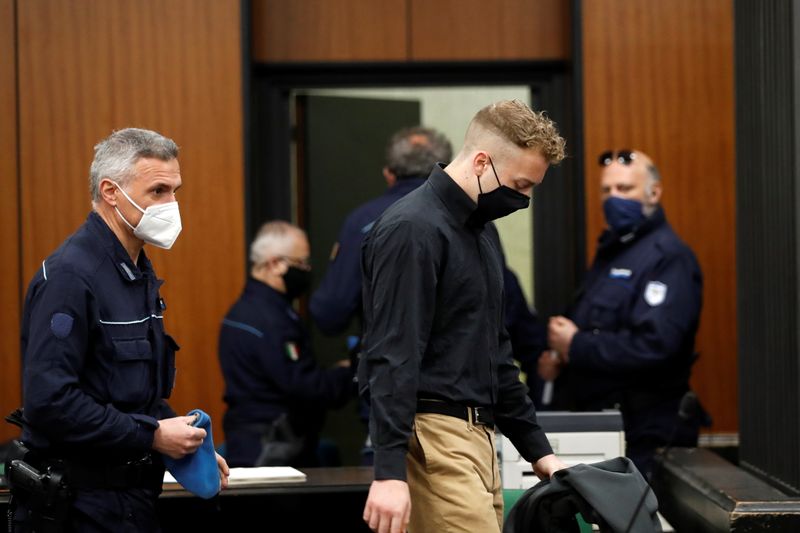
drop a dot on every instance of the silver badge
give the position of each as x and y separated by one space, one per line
655 293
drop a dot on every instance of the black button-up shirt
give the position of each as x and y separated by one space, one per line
433 316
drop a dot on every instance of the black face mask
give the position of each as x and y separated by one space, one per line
497 203
297 281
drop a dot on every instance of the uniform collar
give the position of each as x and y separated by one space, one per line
119 256
452 196
264 292
405 185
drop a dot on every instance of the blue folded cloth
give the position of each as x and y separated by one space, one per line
197 472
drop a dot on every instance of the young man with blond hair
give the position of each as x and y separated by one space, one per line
437 368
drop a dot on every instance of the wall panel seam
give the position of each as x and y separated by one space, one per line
18 157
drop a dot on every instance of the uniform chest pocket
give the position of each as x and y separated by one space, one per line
131 378
608 306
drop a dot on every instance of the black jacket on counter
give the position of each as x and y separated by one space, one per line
605 493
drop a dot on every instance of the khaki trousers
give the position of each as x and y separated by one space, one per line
453 477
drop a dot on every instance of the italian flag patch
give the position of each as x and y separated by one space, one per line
291 351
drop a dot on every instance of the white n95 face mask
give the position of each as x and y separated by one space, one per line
160 224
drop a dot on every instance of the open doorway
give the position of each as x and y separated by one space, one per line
339 153
290 178
357 123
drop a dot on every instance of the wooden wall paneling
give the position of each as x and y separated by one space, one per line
320 30
9 222
658 76
175 67
478 30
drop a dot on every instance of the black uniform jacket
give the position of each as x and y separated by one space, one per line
638 314
270 370
97 364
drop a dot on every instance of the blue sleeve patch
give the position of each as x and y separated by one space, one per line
61 325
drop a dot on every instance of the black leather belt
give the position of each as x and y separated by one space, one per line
477 415
139 473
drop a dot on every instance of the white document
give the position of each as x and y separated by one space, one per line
257 475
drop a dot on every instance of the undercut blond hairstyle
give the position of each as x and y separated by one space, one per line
518 124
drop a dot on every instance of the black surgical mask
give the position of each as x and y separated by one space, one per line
297 281
497 203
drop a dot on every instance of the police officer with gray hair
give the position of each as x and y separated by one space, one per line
277 394
98 365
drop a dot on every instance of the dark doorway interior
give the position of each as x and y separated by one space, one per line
340 155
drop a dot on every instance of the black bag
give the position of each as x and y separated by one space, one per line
280 444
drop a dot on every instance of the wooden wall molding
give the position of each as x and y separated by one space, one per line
320 30
472 30
410 30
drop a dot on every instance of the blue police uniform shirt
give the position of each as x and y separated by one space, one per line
638 314
270 370
97 364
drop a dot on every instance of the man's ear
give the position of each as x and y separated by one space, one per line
277 267
480 160
389 176
655 192
108 191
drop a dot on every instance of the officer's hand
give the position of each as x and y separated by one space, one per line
388 507
549 367
224 471
176 437
545 467
560 331
344 363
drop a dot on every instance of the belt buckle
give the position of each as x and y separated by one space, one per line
476 416
144 460
134 470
